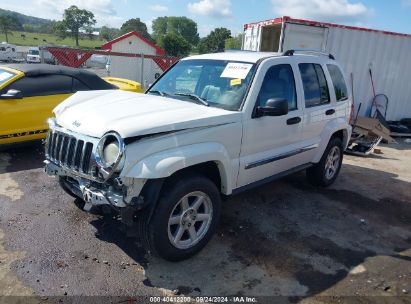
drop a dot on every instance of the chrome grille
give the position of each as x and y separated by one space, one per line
69 152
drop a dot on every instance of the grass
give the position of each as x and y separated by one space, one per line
29 40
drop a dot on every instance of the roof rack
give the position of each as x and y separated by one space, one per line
238 51
291 53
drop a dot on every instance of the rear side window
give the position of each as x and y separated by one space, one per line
42 85
340 88
315 85
79 86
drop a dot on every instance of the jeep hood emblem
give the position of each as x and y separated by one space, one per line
76 123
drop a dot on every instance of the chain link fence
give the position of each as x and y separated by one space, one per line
143 68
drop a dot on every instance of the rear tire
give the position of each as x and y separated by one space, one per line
326 171
185 217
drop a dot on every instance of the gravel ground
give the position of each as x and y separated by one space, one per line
347 243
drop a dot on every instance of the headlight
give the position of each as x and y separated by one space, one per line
110 150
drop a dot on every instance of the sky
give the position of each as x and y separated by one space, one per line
394 15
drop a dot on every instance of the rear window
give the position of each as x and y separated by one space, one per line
5 75
340 88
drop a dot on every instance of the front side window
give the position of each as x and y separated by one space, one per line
42 85
315 85
218 83
340 88
279 83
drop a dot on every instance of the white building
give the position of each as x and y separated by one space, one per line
141 69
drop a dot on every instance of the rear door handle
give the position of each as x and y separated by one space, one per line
294 120
330 112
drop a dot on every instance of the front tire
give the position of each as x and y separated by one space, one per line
185 217
326 171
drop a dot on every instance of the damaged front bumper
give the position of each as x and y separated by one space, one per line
117 192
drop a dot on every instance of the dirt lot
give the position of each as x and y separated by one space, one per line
284 239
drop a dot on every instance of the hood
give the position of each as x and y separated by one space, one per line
95 113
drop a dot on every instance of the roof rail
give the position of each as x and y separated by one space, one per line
236 50
291 53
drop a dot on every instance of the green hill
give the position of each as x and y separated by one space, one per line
36 31
34 22
29 39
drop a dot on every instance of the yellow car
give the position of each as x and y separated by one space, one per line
29 93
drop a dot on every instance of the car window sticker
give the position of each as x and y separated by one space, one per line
236 70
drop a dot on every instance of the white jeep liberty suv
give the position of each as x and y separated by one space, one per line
212 125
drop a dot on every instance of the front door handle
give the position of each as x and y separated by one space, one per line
330 112
294 120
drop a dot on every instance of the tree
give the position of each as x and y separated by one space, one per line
234 43
75 19
183 26
60 29
7 24
137 25
175 45
215 41
204 46
48 28
89 32
29 28
108 33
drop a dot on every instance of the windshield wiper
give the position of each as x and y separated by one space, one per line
159 93
195 97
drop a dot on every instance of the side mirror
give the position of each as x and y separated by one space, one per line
273 107
12 94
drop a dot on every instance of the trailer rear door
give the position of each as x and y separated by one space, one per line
252 37
299 36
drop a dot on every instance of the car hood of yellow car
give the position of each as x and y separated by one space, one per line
95 113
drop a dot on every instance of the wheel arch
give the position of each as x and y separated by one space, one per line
209 159
152 189
341 134
336 128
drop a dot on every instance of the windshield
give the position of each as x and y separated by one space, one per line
34 52
217 83
5 75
